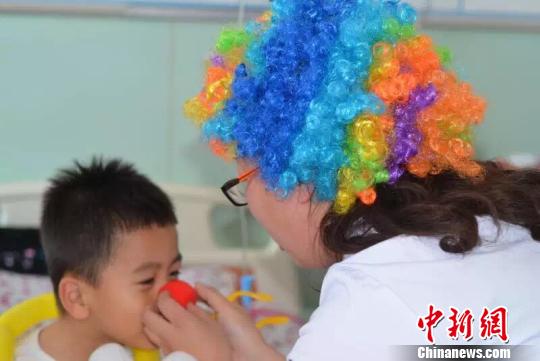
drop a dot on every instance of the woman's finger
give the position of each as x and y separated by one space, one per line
153 337
171 310
199 312
162 346
155 323
213 298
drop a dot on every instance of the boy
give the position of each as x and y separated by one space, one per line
110 241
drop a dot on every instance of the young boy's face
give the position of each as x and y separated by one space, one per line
142 262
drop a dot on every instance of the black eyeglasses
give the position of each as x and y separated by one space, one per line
235 189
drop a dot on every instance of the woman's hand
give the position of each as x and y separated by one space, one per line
191 330
245 339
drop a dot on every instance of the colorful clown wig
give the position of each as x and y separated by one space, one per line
341 95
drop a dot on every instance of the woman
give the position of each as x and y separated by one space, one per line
353 140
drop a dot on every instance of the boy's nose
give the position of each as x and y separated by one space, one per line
155 292
152 301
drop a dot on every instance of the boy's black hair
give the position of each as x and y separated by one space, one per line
87 206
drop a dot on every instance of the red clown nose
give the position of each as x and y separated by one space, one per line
181 292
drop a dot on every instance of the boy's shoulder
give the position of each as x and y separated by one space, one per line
28 347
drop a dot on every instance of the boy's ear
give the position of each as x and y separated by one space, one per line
71 292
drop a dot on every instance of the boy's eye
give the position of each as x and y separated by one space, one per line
147 281
174 274
150 281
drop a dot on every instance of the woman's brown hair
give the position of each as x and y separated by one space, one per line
443 205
